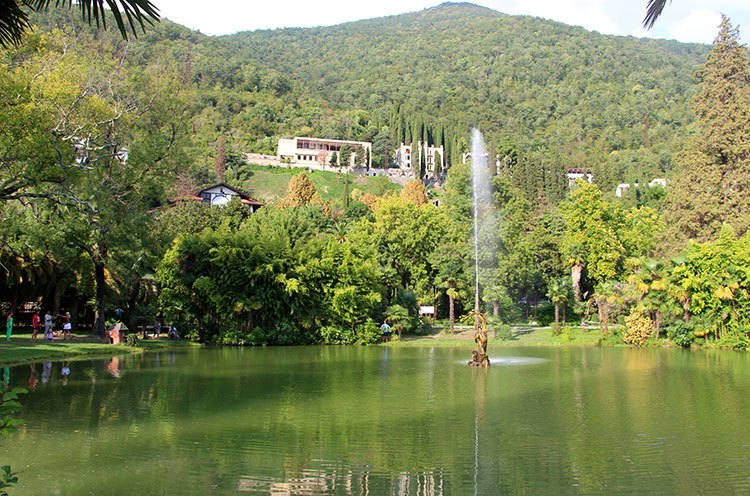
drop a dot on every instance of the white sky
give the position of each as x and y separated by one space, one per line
683 20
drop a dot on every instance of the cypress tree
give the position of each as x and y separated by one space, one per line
220 161
714 168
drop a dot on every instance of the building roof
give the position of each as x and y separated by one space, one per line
327 140
244 197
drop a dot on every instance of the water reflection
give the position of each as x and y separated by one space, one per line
341 420
346 481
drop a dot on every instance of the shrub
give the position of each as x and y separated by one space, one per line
234 338
545 313
133 340
504 332
639 328
366 333
501 331
334 335
680 333
733 341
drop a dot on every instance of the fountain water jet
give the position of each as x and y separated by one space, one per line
482 197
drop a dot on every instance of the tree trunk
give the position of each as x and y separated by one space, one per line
59 290
564 312
496 309
99 259
14 301
601 304
557 318
575 275
451 314
132 302
74 303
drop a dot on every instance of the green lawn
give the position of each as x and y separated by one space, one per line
20 349
267 183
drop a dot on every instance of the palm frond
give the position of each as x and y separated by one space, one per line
14 21
654 9
128 15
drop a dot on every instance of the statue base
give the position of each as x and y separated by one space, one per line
479 359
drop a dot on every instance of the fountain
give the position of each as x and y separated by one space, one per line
482 197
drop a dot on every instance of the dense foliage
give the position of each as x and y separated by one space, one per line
104 143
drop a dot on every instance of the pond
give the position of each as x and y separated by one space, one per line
374 420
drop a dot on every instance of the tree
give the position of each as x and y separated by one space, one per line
110 136
414 192
651 285
398 316
14 18
220 163
301 191
345 156
558 291
590 240
714 167
450 262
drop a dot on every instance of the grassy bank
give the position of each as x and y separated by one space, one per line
520 336
20 349
269 183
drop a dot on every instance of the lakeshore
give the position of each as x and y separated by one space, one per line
520 336
20 349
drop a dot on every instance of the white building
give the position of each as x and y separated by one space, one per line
575 174
431 156
434 157
221 194
623 188
307 151
403 157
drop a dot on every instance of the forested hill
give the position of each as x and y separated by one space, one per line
548 96
552 93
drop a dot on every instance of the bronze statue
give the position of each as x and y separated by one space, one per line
479 356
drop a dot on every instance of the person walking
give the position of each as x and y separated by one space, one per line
9 326
35 325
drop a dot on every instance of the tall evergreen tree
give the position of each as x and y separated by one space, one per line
711 188
220 162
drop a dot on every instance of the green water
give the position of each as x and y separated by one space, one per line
330 420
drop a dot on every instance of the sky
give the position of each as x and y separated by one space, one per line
682 20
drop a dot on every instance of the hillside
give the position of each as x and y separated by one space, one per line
269 183
554 93
547 96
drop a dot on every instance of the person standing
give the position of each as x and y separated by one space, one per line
67 326
35 326
48 325
386 331
9 326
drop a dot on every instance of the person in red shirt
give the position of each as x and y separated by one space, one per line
35 325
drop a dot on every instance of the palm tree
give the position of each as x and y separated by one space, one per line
398 316
651 285
14 15
558 292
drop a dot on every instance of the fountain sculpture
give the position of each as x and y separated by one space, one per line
482 197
